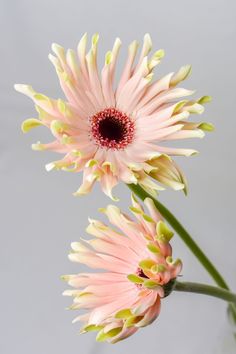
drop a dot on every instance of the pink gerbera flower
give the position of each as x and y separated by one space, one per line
117 133
139 271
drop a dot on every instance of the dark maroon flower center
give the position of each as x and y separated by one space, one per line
112 129
140 273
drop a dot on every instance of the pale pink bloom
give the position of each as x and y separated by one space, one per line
117 133
138 268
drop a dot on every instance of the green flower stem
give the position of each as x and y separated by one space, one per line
185 236
205 290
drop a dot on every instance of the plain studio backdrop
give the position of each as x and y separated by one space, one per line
39 215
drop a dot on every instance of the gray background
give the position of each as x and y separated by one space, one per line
39 215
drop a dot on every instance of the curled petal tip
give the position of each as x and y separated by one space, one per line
148 39
181 75
29 124
208 127
17 87
50 166
205 99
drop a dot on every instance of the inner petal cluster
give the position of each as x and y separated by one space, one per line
112 129
141 273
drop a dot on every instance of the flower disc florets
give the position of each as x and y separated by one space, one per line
112 129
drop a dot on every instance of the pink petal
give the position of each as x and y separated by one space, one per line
102 312
164 97
115 250
128 67
154 90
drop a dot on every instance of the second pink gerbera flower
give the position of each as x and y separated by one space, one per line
138 271
111 134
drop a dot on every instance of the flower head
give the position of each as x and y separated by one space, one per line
138 267
114 134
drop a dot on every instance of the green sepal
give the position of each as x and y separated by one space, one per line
65 277
181 75
61 106
123 314
135 210
146 264
85 293
164 234
204 99
41 97
58 127
172 262
158 268
150 284
91 328
29 124
91 163
102 336
108 58
153 248
208 127
148 218
131 321
135 278
179 105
